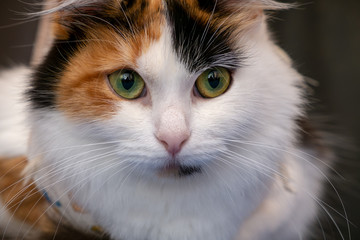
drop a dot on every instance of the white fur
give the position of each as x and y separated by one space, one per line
255 180
14 133
241 139
13 126
289 210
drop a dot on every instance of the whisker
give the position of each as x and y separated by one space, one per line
106 167
318 170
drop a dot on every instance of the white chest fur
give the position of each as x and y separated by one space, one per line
199 207
196 207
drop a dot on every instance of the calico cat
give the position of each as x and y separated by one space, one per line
160 120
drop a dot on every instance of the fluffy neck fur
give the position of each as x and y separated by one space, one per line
244 141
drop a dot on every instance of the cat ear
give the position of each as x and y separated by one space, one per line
250 12
253 9
63 12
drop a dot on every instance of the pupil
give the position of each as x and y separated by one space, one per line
127 81
214 79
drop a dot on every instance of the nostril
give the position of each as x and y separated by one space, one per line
164 143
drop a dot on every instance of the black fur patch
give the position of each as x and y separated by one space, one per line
185 171
199 45
207 5
126 4
42 90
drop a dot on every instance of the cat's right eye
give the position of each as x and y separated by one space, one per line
127 83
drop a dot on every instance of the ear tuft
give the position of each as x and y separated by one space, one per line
257 4
53 6
62 13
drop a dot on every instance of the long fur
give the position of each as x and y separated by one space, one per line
258 179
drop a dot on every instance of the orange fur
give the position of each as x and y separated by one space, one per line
22 198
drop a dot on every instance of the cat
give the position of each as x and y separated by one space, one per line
160 120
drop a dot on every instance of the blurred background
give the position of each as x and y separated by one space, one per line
321 36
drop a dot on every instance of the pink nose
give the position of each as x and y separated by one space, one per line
173 142
172 130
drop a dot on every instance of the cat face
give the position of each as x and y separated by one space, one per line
172 85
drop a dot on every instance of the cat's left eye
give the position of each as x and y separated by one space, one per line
127 83
213 82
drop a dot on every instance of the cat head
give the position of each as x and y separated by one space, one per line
170 83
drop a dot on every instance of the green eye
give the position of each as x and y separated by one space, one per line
213 82
127 83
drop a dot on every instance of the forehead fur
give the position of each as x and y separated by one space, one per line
95 38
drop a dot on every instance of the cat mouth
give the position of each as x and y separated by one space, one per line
178 170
